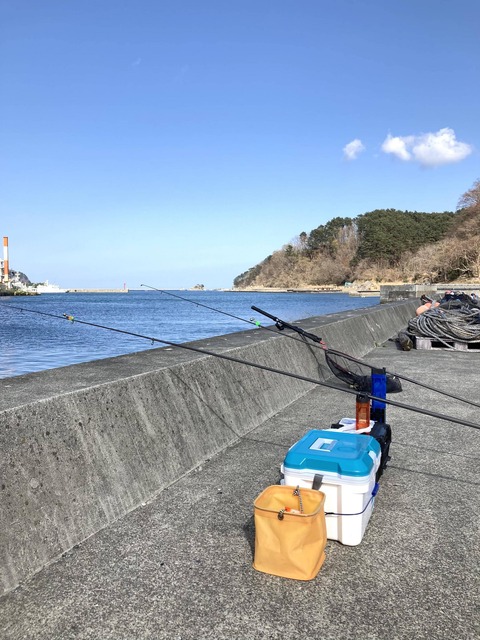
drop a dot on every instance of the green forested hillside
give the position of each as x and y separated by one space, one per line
384 245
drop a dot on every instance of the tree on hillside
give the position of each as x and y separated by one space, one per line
381 233
471 198
457 255
465 260
468 225
386 234
247 278
324 237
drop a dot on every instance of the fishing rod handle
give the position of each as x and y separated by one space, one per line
265 313
281 324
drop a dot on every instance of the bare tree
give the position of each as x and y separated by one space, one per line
471 198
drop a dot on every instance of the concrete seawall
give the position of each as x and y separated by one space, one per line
83 445
396 292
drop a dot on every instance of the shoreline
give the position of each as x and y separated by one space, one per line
283 290
362 288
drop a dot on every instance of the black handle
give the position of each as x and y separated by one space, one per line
265 313
281 324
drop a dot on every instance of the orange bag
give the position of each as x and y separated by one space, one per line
290 532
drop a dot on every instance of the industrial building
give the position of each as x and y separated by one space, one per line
4 267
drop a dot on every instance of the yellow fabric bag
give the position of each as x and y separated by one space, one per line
290 532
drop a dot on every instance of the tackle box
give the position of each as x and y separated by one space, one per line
343 466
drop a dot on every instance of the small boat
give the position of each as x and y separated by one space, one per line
47 287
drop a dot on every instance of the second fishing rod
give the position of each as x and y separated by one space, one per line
315 341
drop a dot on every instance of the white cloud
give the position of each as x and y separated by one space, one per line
428 149
442 147
397 146
353 149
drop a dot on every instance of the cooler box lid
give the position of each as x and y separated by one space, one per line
346 454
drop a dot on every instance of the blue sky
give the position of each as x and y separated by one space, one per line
181 142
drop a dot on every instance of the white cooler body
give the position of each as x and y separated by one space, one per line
342 496
347 464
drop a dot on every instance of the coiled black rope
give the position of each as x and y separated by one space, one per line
459 325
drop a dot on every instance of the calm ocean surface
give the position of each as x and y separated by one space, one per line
31 342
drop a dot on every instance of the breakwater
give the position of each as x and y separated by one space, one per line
84 445
97 290
393 292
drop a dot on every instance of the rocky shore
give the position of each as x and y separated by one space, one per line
365 288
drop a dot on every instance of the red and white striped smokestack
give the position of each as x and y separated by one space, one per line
5 259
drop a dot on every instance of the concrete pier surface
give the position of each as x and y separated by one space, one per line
179 565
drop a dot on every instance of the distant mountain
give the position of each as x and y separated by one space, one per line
385 245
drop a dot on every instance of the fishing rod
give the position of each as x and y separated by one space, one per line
222 356
281 325
200 304
318 342
254 323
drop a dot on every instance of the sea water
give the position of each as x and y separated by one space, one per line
34 342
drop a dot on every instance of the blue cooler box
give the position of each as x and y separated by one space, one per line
346 465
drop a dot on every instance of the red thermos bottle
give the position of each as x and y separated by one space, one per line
362 412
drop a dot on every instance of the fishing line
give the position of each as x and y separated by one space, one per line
317 341
254 323
221 356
